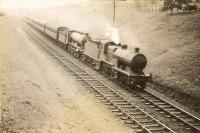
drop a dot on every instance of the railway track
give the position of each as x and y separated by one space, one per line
123 106
127 110
171 111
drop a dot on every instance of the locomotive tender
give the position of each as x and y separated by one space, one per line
123 65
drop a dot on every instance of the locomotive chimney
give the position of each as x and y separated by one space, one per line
137 50
124 46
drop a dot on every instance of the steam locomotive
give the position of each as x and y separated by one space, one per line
121 64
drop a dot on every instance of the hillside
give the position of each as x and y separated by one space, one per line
171 43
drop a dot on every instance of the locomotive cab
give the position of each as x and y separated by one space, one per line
62 36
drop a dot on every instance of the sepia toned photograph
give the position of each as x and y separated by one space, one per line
99 66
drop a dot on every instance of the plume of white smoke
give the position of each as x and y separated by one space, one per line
113 34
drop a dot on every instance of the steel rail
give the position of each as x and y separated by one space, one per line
52 49
173 111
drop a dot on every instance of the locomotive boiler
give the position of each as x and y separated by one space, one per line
79 39
124 58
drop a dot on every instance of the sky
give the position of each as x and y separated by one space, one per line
17 4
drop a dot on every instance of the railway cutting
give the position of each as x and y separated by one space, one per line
113 99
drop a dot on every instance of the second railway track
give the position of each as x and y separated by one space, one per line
133 115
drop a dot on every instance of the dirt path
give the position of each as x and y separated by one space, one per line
38 96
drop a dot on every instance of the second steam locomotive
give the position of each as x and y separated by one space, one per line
121 64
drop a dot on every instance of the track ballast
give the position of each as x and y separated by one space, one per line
128 111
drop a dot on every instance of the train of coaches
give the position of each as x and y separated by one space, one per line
121 64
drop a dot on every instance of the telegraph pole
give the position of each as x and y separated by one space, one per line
114 6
